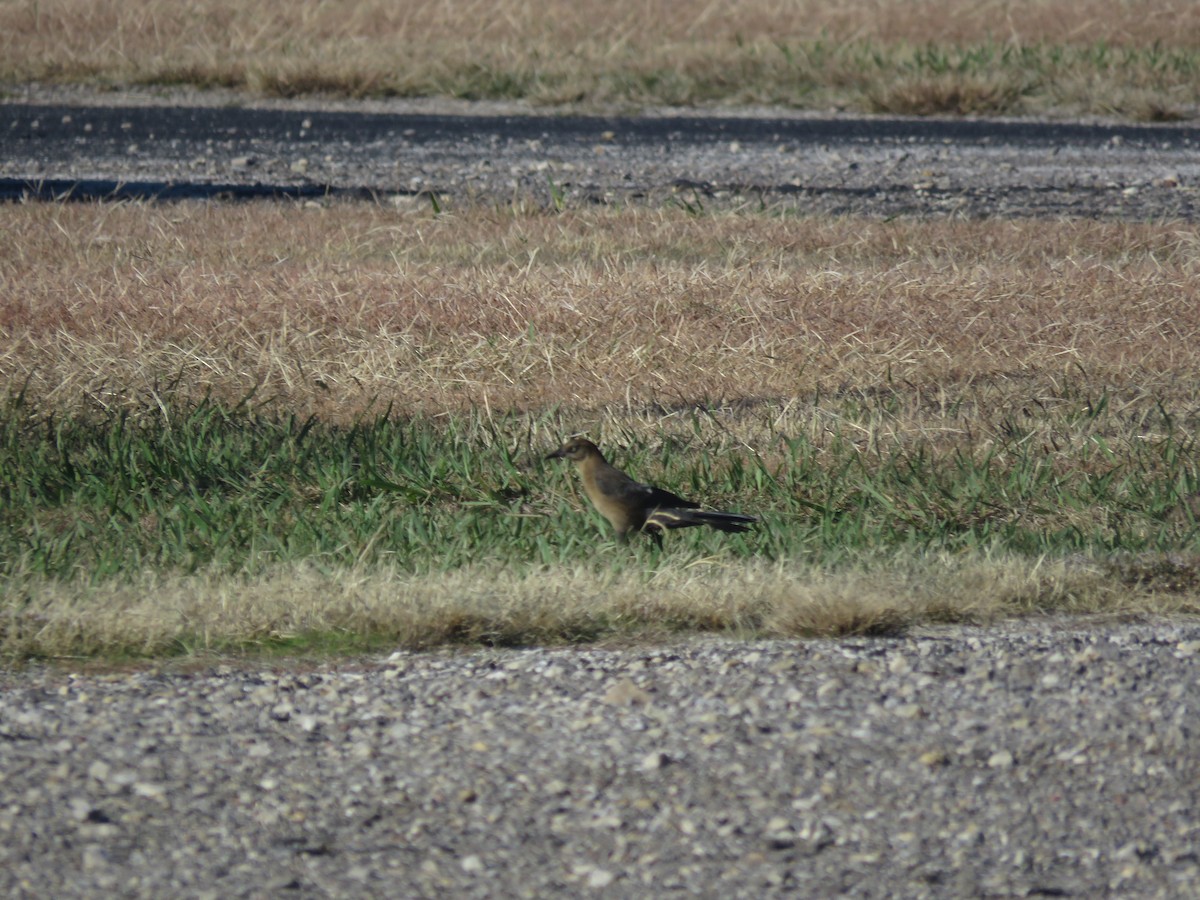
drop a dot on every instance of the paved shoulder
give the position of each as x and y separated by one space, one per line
875 166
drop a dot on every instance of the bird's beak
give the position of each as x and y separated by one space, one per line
557 454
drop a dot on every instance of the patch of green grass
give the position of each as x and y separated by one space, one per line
1004 78
240 490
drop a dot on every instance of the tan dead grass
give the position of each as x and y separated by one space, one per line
157 614
595 50
953 94
106 34
618 317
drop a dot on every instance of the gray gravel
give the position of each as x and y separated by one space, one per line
1046 758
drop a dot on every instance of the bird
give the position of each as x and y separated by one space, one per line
631 506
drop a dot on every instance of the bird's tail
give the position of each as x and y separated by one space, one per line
673 517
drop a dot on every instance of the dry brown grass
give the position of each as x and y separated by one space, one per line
111 34
950 93
331 310
157 614
622 51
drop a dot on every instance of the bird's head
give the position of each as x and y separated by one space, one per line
576 449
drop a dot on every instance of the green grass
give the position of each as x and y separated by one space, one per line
231 489
210 528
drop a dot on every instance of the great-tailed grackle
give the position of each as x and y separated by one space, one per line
631 506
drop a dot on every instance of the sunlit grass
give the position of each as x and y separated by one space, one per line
1135 59
273 529
311 608
280 427
184 489
342 311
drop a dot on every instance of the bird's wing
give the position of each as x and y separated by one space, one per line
615 484
665 499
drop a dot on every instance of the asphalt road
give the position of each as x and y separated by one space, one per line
839 165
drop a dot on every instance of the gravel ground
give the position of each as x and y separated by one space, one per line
1046 758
